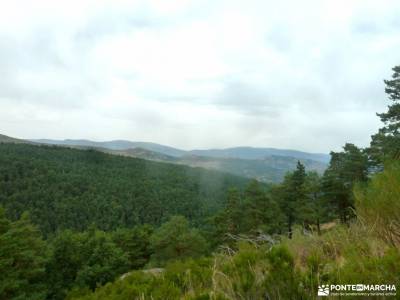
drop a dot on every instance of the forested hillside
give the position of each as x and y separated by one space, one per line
364 251
273 246
66 188
82 224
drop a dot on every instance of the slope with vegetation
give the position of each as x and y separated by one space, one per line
66 188
357 189
365 251
204 241
7 139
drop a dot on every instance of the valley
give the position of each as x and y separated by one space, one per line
265 164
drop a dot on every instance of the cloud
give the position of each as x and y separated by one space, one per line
197 74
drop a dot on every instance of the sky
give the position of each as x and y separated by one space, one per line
305 75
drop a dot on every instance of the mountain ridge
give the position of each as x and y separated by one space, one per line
114 145
243 152
248 152
8 139
264 164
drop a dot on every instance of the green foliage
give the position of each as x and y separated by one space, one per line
283 280
71 189
312 210
103 260
366 251
135 243
176 240
345 169
240 275
22 260
138 285
251 273
293 192
386 143
228 221
250 213
293 269
64 263
300 198
191 276
379 204
83 260
261 213
85 190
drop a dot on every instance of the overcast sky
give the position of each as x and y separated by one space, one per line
304 75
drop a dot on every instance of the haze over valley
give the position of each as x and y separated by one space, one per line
264 164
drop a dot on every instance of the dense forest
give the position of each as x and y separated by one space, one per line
81 224
66 188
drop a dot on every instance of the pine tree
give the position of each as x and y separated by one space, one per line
22 260
386 143
344 170
229 220
135 243
103 261
293 193
232 215
176 240
260 212
66 259
312 210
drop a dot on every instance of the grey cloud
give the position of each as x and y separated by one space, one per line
34 70
319 87
105 25
279 37
248 100
366 27
119 20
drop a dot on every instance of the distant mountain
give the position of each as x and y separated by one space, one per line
269 169
260 153
146 154
264 164
7 139
116 145
236 152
